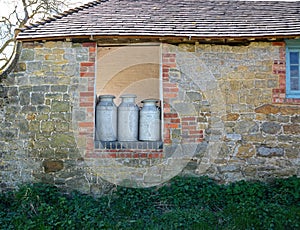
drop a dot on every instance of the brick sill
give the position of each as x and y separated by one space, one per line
144 145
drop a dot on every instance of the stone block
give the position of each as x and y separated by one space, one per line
37 98
27 55
43 109
229 168
295 119
292 152
234 136
246 127
284 119
231 117
65 140
290 110
52 165
41 88
42 117
51 45
194 96
271 127
47 126
59 88
28 109
246 151
62 126
60 106
269 151
184 108
267 109
34 66
20 67
55 96
291 129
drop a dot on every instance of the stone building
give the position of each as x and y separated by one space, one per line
226 74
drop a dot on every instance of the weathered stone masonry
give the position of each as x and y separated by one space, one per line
233 96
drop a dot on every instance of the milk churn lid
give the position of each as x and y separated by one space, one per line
128 95
107 96
150 100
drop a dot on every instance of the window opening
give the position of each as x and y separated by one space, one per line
293 69
129 95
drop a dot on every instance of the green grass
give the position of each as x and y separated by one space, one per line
182 203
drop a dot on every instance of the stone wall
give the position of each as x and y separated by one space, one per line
258 139
225 115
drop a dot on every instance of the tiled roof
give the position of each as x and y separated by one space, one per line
172 18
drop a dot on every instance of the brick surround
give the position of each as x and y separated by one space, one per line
87 102
173 123
188 126
279 68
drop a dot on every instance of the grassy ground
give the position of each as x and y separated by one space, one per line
182 203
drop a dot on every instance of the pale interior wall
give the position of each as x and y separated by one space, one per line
129 69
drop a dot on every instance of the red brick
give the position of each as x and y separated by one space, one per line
87 64
87 74
125 155
166 70
92 49
189 119
170 95
86 104
278 90
167 133
155 155
85 69
111 155
170 115
200 132
175 120
86 124
165 55
92 57
87 94
174 90
89 44
167 141
171 65
188 127
172 126
87 99
91 88
278 43
90 110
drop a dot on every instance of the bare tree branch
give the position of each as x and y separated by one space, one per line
6 43
22 14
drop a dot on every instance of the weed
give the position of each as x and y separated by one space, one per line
182 203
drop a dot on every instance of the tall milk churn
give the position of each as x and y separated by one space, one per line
149 125
106 119
128 113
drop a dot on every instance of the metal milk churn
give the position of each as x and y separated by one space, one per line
128 115
149 125
106 119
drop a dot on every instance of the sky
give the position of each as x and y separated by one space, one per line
7 6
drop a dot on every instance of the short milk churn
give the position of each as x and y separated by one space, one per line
149 125
106 119
128 113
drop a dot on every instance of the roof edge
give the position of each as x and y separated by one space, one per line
61 15
157 38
